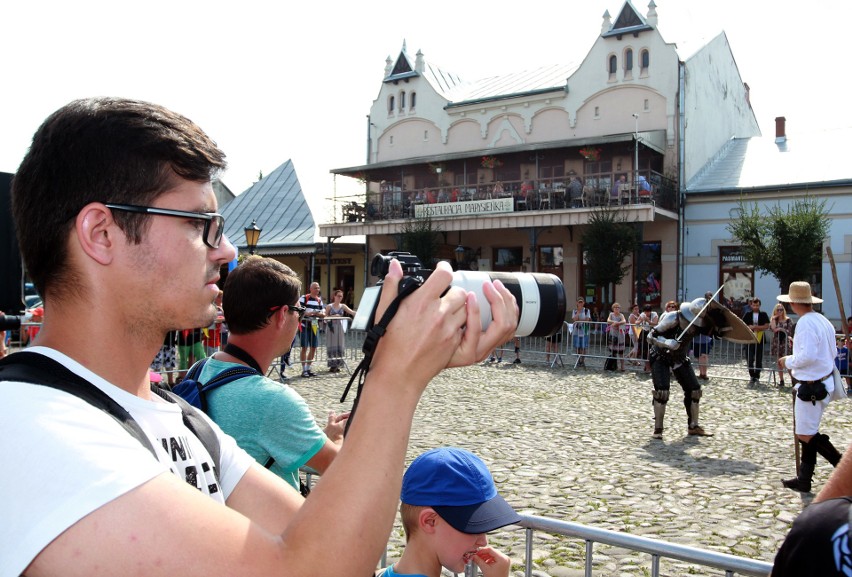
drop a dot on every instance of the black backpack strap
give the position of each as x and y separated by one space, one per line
37 369
223 378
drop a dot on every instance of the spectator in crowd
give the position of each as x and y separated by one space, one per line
212 335
842 361
634 328
648 319
335 332
616 325
575 192
702 346
449 503
271 421
758 322
581 317
166 359
148 253
552 344
190 346
617 187
516 341
310 327
782 336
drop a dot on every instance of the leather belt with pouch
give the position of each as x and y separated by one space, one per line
813 391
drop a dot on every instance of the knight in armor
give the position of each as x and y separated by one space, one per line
668 354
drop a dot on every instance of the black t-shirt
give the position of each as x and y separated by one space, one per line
818 543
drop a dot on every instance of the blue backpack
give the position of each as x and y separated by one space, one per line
194 392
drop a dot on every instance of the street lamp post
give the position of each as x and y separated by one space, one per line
460 254
636 155
252 236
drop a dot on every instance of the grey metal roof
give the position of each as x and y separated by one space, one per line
278 205
545 78
813 159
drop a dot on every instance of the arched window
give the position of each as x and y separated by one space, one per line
613 64
644 60
391 103
402 100
628 60
413 101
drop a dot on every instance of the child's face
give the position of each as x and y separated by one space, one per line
455 548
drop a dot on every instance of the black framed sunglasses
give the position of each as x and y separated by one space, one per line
214 223
300 310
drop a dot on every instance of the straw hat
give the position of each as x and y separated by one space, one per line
800 292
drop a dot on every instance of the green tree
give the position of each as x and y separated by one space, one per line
420 238
607 242
786 243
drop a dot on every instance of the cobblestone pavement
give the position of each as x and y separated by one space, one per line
575 445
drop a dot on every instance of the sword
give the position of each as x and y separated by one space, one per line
795 439
701 312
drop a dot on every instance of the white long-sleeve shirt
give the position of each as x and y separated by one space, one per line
814 348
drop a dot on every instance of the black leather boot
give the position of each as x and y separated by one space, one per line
802 483
826 449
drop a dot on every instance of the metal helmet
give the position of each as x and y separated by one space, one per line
690 310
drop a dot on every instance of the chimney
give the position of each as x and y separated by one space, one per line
780 129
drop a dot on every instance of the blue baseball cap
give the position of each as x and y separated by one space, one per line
459 487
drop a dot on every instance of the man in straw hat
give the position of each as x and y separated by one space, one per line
812 365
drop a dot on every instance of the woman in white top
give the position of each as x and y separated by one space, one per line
335 345
616 323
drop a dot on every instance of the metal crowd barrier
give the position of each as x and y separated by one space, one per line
658 549
726 360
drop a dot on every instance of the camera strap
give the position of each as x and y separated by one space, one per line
371 340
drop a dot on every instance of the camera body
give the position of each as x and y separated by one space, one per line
540 296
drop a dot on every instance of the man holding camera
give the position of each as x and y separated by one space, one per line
132 230
812 365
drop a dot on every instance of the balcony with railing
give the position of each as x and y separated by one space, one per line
393 201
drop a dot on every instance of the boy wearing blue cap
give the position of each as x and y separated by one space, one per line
449 503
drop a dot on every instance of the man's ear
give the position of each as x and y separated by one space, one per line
281 316
96 232
427 519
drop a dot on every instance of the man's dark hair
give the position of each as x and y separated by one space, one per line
100 150
253 289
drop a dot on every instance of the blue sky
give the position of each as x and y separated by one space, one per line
272 81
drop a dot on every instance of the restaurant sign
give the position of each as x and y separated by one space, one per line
466 208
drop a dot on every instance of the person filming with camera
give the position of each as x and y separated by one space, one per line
133 224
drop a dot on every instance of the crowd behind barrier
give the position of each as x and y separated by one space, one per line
726 360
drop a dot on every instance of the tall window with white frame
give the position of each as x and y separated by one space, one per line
644 61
